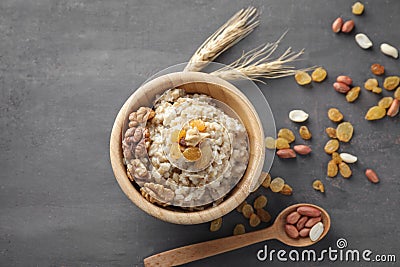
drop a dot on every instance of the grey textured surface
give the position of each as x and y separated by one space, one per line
66 68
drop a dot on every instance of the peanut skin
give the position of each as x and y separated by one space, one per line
309 211
293 217
287 153
312 221
337 25
304 232
291 231
394 108
301 223
341 87
348 26
344 79
372 176
302 149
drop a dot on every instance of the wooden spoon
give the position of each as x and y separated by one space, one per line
206 249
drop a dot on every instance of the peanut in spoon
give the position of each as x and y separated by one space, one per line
206 249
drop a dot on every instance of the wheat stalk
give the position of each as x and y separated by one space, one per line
257 63
234 30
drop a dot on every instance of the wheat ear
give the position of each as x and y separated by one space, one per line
234 30
257 63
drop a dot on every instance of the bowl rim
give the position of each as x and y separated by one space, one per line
237 194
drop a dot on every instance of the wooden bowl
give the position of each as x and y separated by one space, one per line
192 82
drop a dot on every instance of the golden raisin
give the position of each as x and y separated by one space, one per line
331 132
267 181
263 215
332 169
281 143
335 115
397 93
216 224
345 170
375 113
331 146
260 202
199 124
344 131
391 82
357 8
305 133
302 78
385 102
192 153
318 75
277 184
240 207
336 157
319 186
239 229
247 210
286 134
286 190
377 90
254 220
182 134
371 84
270 142
353 94
377 69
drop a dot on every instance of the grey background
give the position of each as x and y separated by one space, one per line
67 66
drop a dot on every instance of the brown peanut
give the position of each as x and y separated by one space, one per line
302 149
394 108
312 221
372 176
308 211
337 25
287 153
301 223
291 231
344 79
348 26
293 217
304 232
341 87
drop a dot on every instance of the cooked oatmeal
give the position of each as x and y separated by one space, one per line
196 153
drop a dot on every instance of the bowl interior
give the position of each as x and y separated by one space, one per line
219 89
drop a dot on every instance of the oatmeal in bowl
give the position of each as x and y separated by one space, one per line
191 152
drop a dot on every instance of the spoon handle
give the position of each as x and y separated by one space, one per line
206 249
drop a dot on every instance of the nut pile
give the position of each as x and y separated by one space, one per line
304 222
